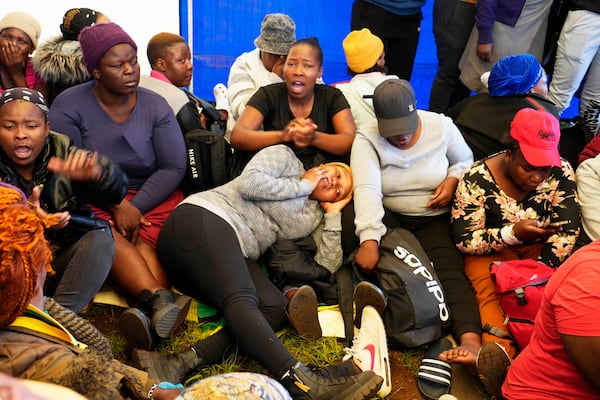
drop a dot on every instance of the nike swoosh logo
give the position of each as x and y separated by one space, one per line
371 349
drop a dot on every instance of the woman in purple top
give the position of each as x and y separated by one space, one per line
136 129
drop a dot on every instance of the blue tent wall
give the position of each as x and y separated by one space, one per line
223 29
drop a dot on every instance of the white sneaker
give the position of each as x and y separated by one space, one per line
369 349
221 99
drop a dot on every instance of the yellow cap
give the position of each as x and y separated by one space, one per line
362 50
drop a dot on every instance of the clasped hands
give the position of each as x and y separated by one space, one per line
301 131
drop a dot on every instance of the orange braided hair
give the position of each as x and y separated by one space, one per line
23 249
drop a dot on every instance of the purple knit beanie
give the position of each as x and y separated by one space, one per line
97 39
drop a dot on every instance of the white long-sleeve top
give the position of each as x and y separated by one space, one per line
588 187
355 90
404 180
246 75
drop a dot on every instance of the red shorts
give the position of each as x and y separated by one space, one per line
157 216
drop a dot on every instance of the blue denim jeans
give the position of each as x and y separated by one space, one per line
577 58
81 269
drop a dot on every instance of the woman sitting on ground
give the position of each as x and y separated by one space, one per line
136 129
210 244
406 172
313 119
59 60
34 342
562 359
517 204
60 178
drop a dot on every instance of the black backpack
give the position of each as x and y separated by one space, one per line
209 154
416 312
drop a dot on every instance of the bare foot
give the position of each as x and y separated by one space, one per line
465 353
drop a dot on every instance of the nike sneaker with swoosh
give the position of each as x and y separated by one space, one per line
369 349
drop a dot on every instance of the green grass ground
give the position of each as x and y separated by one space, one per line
319 353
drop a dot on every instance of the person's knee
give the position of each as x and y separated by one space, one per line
273 308
97 244
99 239
275 312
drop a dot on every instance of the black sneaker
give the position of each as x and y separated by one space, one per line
303 312
368 294
304 384
164 367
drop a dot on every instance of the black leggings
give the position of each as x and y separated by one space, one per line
203 259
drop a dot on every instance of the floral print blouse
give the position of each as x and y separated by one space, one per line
481 208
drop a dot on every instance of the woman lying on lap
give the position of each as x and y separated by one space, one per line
209 245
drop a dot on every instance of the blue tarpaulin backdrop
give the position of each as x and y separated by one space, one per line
223 29
220 30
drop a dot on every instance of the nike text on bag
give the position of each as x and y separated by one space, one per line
209 158
416 312
520 286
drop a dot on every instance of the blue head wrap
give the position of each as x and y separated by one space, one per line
516 74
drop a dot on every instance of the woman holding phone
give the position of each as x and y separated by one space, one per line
516 204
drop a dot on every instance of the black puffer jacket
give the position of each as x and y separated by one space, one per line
60 193
60 64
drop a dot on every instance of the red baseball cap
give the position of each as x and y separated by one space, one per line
538 134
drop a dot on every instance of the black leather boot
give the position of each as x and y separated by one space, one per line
302 383
163 367
135 328
167 311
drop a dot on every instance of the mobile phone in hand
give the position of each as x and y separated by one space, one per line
560 223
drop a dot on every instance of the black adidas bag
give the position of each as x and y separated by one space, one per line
416 312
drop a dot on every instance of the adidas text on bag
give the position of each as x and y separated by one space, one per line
416 311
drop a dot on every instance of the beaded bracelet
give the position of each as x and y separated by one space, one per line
151 391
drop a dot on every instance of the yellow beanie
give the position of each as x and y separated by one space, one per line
362 50
347 168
